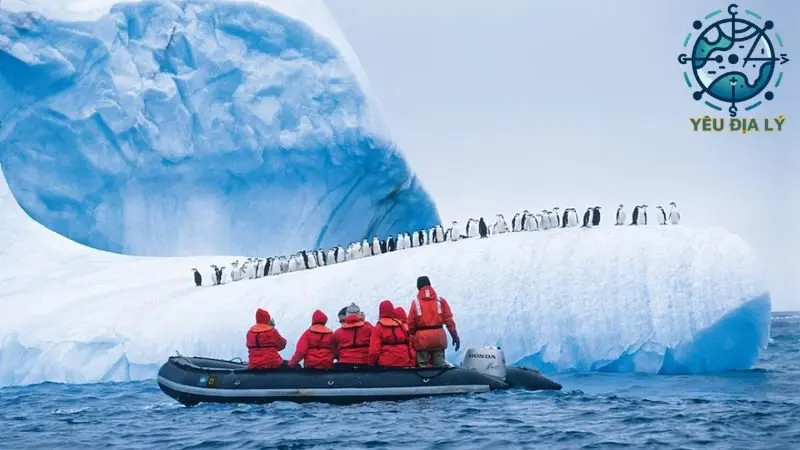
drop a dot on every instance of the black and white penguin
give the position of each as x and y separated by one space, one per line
620 215
483 230
390 244
218 273
565 218
382 245
524 220
516 224
214 280
643 215
415 239
434 235
366 249
500 225
422 237
674 214
455 231
472 228
376 246
596 216
587 218
447 235
198 279
556 217
332 256
661 215
401 242
221 276
635 215
304 255
268 265
322 258
406 240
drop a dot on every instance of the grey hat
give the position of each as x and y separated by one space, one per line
353 309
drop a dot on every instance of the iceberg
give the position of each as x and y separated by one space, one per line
199 127
671 299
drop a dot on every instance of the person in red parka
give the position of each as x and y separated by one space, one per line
388 346
428 315
353 338
264 342
400 316
316 346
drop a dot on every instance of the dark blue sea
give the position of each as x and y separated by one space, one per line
753 409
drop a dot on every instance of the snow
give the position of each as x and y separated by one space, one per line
167 128
670 299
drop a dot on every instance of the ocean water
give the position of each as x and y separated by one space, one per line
752 409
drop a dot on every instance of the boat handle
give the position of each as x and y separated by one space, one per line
330 382
425 380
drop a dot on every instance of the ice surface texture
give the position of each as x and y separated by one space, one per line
650 299
195 128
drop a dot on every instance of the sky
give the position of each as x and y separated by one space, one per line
513 104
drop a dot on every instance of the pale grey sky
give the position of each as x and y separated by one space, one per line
515 104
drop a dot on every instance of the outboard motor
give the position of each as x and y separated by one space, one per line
486 360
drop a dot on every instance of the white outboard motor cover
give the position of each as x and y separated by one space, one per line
486 360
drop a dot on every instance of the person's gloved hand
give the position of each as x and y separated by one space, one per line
456 342
271 322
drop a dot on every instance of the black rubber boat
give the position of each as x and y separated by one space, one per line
204 380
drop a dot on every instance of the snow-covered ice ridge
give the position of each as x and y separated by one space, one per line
652 299
200 127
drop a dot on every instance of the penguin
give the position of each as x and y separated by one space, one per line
340 254
214 278
587 218
284 266
376 246
565 218
596 216
415 239
322 258
304 255
434 236
500 225
556 217
198 279
674 215
222 277
268 265
447 235
515 223
235 272
440 233
540 225
312 259
422 236
407 240
401 243
661 215
574 220
620 215
643 215
635 215
332 255
455 232
483 230
382 245
218 273
366 249
472 228
523 226
390 244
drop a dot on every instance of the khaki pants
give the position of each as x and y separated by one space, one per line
434 358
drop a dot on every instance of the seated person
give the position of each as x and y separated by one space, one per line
264 342
353 338
316 346
388 346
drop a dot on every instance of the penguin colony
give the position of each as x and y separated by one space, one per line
253 268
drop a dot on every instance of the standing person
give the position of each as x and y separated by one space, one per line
388 345
264 342
352 339
427 317
316 346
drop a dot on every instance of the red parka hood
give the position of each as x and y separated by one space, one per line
262 316
400 314
319 317
427 293
386 310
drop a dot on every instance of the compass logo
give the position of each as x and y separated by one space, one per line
736 60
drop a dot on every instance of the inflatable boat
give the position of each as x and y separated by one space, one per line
193 380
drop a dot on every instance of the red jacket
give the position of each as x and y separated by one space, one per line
263 343
400 316
427 317
388 346
352 341
317 345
